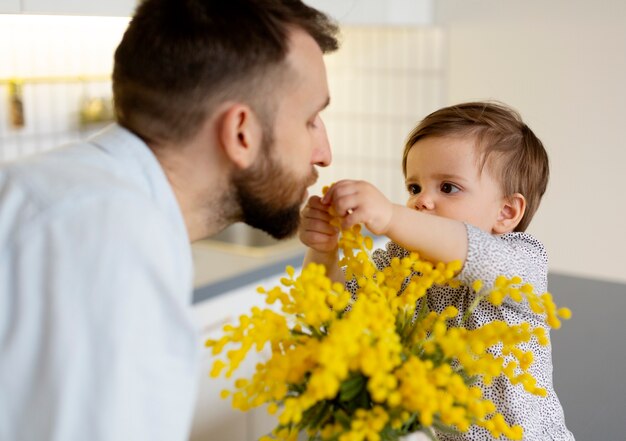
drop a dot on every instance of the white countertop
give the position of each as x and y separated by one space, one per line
218 261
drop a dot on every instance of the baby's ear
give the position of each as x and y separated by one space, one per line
511 213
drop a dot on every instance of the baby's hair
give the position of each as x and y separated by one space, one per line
507 146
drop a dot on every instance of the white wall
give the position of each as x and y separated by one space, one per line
382 81
562 64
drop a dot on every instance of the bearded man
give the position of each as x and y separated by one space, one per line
217 106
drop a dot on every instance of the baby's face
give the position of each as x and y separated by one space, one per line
443 178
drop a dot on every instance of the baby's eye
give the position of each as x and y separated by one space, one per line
413 188
446 187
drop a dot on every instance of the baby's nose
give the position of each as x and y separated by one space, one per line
423 202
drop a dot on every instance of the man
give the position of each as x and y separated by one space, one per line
218 108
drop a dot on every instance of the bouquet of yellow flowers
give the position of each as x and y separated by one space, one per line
375 367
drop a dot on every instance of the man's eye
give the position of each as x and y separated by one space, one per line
446 187
414 188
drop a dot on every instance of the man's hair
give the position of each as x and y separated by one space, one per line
179 59
505 144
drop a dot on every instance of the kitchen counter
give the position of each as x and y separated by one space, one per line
221 267
241 256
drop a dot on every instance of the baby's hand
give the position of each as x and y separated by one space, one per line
360 202
315 230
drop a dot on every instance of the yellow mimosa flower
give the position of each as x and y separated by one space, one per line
351 369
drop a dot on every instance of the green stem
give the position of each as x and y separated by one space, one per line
469 311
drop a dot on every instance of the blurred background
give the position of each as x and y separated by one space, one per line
560 63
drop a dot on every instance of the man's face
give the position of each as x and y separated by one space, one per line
271 192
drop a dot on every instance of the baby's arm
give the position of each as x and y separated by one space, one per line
320 237
435 238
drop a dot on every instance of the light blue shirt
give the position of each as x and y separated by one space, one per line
96 336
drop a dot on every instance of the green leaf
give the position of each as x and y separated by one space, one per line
440 427
311 414
322 414
351 388
409 423
389 434
343 418
363 399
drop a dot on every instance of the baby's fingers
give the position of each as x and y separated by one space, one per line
318 226
339 190
316 210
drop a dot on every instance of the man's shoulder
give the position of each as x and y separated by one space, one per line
61 173
76 180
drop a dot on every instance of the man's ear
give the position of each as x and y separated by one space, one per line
240 134
511 213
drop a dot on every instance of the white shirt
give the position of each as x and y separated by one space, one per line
96 336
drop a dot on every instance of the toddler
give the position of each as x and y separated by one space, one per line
475 174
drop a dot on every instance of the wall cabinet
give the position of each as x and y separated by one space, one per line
350 12
120 8
9 6
378 13
214 417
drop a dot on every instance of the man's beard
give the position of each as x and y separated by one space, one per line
269 196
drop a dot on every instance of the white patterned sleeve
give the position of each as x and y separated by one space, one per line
511 254
382 258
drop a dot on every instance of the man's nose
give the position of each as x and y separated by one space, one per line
322 155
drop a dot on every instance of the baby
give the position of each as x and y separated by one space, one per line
475 175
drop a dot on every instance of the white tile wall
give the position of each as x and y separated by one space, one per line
51 114
382 81
46 46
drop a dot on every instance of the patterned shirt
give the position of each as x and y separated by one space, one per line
511 254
